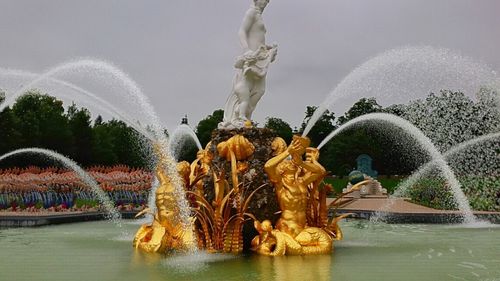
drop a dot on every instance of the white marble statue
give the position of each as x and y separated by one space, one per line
249 83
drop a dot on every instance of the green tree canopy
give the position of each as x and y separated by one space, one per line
361 107
38 120
188 151
449 118
42 123
79 121
324 126
103 145
9 136
114 142
280 127
206 126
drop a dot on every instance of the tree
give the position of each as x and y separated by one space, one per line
339 155
187 151
9 136
361 107
38 120
280 127
116 143
206 126
79 122
489 105
126 144
394 152
449 118
42 123
385 144
103 146
98 120
395 109
322 128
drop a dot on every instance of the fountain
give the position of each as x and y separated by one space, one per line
178 139
397 74
425 144
403 187
93 100
110 73
250 191
455 151
222 181
105 202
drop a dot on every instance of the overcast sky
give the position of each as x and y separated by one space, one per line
181 52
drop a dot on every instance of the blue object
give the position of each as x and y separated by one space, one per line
364 163
356 177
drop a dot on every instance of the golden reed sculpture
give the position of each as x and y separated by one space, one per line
302 229
220 224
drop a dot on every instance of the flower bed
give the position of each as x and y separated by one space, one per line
34 189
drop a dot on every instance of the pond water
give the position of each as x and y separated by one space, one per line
102 251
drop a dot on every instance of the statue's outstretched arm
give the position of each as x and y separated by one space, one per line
271 164
316 171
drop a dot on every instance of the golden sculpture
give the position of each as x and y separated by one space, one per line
165 232
220 223
238 146
200 168
296 182
236 149
302 229
184 170
278 146
218 215
218 226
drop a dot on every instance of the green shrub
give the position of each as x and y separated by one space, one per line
482 191
433 193
90 203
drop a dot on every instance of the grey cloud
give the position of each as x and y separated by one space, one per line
181 51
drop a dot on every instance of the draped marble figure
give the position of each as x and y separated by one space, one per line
249 83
